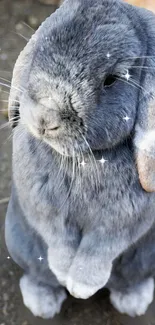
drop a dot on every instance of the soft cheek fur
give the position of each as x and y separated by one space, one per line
107 126
69 142
104 120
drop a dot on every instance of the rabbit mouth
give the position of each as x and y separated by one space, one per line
69 147
72 145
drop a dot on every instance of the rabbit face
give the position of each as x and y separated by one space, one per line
81 92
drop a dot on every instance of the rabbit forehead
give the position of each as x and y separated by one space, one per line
83 35
72 63
77 22
73 43
118 38
88 30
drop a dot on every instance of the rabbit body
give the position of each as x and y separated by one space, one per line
107 222
88 217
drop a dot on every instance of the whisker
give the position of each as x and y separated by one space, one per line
135 83
136 86
71 183
65 159
96 172
95 167
142 67
3 126
8 139
5 85
13 118
79 157
79 169
60 168
4 200
140 57
5 79
127 82
8 39
23 22
19 34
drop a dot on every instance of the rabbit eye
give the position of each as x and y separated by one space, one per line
110 80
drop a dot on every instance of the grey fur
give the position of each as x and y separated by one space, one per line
85 220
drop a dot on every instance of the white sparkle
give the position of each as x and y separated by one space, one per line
108 55
126 118
102 161
127 75
83 163
40 258
8 257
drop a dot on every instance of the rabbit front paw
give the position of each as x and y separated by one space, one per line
84 282
59 261
80 290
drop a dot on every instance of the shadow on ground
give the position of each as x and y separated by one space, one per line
14 15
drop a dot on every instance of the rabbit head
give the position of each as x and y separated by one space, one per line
85 81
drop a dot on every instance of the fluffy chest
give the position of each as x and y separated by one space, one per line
97 188
106 189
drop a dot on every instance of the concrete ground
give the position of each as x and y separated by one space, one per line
14 15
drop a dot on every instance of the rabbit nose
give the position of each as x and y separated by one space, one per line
51 124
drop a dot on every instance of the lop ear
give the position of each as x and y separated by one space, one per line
19 79
22 70
144 140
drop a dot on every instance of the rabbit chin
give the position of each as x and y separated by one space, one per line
61 149
67 150
70 148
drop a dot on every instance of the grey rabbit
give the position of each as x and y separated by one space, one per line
82 111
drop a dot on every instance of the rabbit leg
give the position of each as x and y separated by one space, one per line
41 291
43 301
135 300
90 269
131 283
61 252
